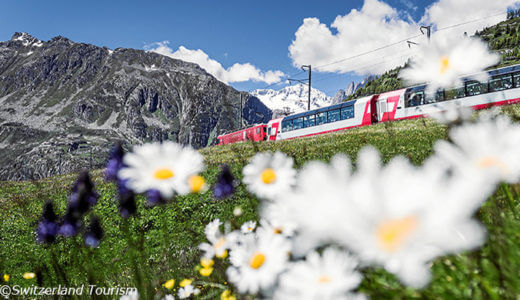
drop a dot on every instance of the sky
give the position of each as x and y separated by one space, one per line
258 44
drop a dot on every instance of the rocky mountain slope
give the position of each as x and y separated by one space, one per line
62 104
291 99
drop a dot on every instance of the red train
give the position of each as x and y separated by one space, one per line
256 133
502 88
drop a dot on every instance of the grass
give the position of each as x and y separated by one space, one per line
166 237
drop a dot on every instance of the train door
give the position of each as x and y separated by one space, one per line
381 110
373 110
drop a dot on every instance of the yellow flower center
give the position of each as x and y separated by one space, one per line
445 64
219 243
226 295
29 275
6 277
278 230
185 282
206 271
257 260
222 255
169 284
268 176
196 183
163 174
324 279
489 162
393 233
206 262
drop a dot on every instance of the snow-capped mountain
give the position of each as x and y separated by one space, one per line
292 99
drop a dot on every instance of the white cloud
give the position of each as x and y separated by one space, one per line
444 13
378 24
235 73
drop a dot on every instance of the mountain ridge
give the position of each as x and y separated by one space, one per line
71 101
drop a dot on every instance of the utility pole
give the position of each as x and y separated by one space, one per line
308 83
428 31
241 111
310 71
428 34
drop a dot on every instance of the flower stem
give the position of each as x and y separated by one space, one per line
511 200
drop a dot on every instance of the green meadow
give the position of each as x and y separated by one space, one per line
160 243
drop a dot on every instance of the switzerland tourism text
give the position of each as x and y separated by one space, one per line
6 291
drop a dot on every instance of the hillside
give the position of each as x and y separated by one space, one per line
62 104
503 38
490 272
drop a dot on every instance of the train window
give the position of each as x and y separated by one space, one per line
414 99
287 125
500 82
347 112
516 79
333 115
432 98
297 123
476 88
265 129
454 93
321 118
258 130
309 121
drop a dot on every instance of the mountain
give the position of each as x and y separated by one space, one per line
340 96
352 88
291 99
63 104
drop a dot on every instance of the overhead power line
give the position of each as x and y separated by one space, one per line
384 47
404 40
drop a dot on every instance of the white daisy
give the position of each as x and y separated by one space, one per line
219 242
442 62
257 261
487 148
414 216
169 297
274 219
398 216
315 206
248 227
166 167
131 295
187 291
328 277
269 175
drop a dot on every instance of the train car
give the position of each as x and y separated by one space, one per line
502 88
337 117
273 129
256 133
